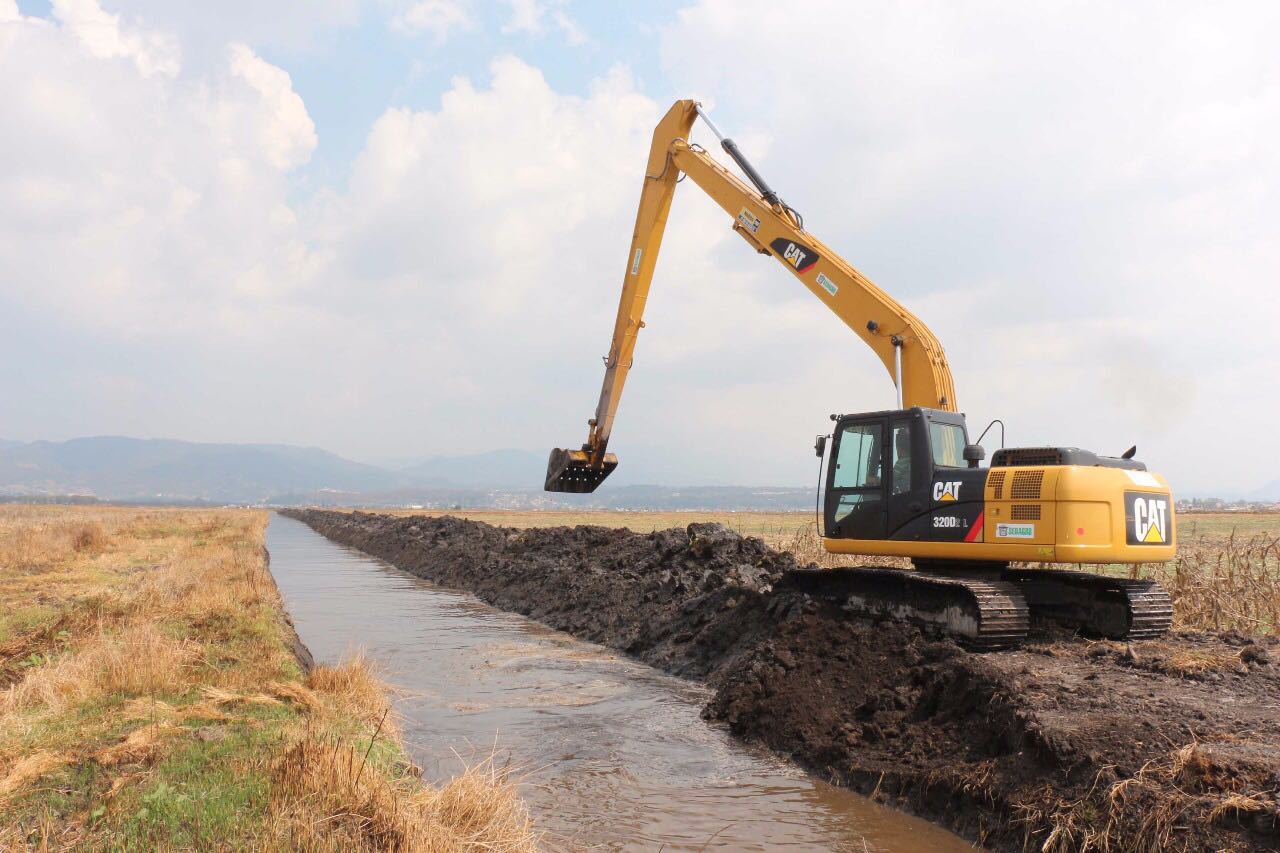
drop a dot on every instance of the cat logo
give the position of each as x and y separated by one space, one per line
796 255
947 491
1147 519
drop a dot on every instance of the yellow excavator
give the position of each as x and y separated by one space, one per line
907 482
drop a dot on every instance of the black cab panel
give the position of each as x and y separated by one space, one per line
901 475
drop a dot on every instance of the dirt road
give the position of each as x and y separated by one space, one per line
1063 745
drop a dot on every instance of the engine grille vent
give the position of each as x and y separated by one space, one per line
1025 512
996 481
1016 456
1026 485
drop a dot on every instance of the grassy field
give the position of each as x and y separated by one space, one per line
150 700
774 527
1226 576
1227 573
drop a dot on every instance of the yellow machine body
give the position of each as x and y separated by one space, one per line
1054 514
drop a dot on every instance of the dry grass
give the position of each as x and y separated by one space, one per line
356 686
478 810
1225 582
149 700
771 526
135 659
806 544
1144 812
27 769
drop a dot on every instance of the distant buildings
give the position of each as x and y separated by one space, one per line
1220 505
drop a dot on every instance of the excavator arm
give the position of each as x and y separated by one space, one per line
908 350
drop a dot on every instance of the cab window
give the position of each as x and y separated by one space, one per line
858 460
901 447
948 442
849 501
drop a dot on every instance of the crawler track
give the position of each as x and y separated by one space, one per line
982 614
1101 606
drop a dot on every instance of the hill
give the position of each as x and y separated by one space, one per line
166 469
500 469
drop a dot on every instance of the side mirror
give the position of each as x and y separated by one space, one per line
973 454
820 445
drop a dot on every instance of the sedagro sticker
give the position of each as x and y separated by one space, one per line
1015 531
827 284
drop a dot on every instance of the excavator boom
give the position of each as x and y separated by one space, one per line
910 352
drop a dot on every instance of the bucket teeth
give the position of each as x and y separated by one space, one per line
572 471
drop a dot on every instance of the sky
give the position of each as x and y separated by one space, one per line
397 228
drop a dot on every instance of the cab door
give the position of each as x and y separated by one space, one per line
857 479
907 447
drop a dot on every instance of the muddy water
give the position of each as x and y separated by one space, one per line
615 753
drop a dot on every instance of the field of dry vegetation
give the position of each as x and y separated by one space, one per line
1226 576
150 698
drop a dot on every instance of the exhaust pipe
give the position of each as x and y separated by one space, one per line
572 471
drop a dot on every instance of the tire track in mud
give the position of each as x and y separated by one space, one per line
1062 745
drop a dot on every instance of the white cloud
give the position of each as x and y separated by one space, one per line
437 18
526 16
570 29
143 205
102 34
206 28
470 237
531 16
286 133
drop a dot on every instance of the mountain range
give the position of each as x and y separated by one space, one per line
167 470
164 469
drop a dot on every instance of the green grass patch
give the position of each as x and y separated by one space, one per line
208 790
27 618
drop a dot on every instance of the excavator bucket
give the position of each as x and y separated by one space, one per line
572 471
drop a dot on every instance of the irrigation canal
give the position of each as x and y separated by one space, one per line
615 755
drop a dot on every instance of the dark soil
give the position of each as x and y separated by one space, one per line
1065 744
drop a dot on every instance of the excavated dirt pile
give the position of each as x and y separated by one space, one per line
1066 744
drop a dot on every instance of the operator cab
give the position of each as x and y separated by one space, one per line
907 474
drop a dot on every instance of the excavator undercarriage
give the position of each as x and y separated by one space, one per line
982 614
989 606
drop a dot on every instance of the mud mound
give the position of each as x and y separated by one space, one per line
1062 745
